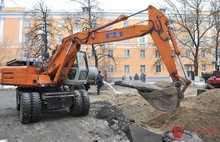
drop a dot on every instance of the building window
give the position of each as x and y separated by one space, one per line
187 40
27 24
60 24
126 41
94 24
207 23
126 23
142 39
209 40
26 38
43 25
213 40
157 53
110 68
203 67
126 68
26 53
189 68
110 53
143 69
60 37
201 26
188 53
126 53
142 53
78 24
158 68
213 55
202 40
203 53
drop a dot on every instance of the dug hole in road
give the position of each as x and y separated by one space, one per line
110 115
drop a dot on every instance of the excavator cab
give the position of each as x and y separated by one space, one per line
79 70
80 74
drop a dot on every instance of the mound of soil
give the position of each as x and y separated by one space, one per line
200 114
136 108
163 84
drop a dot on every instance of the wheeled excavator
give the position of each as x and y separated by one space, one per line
37 89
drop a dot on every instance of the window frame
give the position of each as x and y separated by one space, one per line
144 68
111 52
60 37
126 53
158 68
60 24
27 24
203 53
127 68
110 68
142 53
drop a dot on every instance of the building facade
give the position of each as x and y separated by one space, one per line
137 55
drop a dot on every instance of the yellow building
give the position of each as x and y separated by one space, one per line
137 55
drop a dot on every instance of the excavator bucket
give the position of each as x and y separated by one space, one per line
165 100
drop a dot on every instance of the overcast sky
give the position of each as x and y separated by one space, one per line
105 4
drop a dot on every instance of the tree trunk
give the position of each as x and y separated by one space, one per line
216 52
196 67
95 56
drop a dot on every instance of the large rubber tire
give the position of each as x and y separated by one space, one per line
36 107
77 104
86 102
25 108
18 97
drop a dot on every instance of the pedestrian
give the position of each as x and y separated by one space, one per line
143 77
123 77
136 77
99 82
36 63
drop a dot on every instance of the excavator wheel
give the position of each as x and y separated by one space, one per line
25 108
77 104
18 96
86 102
36 106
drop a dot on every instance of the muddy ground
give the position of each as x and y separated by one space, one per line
101 125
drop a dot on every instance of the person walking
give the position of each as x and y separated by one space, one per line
99 82
143 77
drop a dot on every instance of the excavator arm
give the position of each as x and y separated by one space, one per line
158 27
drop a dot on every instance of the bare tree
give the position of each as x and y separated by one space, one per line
3 55
189 17
215 13
41 32
91 12
71 22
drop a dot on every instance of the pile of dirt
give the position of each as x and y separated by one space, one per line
163 84
136 108
200 114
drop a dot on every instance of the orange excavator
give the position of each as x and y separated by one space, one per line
46 88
